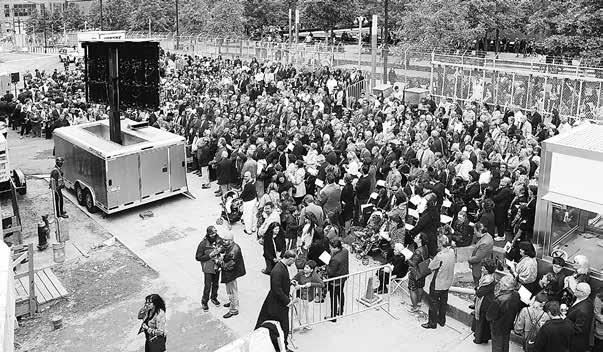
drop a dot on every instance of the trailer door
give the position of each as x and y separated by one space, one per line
177 167
154 173
123 185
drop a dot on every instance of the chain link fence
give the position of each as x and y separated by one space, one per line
573 88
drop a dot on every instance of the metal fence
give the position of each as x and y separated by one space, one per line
340 297
545 84
572 91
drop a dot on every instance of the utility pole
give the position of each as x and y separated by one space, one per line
290 31
361 20
385 41
177 28
296 25
101 15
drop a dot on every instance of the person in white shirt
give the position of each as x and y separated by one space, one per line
564 127
462 169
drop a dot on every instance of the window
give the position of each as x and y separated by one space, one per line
6 11
24 10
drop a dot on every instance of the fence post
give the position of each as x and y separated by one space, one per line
374 50
579 99
513 89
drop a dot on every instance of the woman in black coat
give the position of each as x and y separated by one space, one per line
484 297
347 203
319 245
502 312
272 243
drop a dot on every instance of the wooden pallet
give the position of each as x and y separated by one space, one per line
46 284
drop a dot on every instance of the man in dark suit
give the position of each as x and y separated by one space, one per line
339 265
277 302
502 198
580 315
482 250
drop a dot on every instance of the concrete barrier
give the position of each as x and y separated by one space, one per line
7 300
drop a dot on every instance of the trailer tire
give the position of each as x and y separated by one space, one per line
89 202
79 194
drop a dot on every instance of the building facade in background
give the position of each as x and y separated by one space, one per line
15 13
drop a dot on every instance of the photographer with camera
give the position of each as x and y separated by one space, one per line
208 252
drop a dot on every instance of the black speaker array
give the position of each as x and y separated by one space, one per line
138 64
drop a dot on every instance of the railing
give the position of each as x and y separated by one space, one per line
340 297
355 90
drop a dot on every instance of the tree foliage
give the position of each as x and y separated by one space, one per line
327 14
226 18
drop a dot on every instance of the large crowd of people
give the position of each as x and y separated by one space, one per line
310 164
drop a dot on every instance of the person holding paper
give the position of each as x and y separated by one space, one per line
398 267
526 271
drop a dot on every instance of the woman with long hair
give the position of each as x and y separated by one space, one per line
272 243
153 323
415 284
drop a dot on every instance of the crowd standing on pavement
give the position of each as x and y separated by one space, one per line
305 160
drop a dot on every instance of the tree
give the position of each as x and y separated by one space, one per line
261 14
434 23
327 14
161 13
226 18
492 17
569 27
116 15
193 16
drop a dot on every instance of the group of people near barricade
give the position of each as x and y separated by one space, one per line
310 164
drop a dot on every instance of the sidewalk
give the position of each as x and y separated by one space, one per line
167 242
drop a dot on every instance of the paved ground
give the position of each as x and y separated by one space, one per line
22 62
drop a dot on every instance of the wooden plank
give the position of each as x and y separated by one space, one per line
57 283
41 291
20 291
48 284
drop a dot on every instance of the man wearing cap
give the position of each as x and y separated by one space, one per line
57 183
580 315
233 267
207 253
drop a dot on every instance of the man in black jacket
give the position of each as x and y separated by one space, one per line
233 267
277 302
339 265
502 198
429 221
207 253
555 335
580 315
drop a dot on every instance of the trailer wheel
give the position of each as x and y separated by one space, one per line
89 202
79 194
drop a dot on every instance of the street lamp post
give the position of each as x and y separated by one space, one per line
360 20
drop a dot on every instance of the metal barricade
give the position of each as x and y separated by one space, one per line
354 91
319 301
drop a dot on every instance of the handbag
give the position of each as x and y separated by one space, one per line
423 268
157 343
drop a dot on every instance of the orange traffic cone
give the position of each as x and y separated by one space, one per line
369 299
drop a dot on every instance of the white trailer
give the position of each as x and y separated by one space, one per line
149 165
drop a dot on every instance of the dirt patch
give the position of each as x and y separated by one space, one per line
43 155
167 235
97 286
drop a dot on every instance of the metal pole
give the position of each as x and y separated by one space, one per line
385 42
296 25
373 51
114 119
360 19
149 27
101 15
290 24
45 41
177 28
